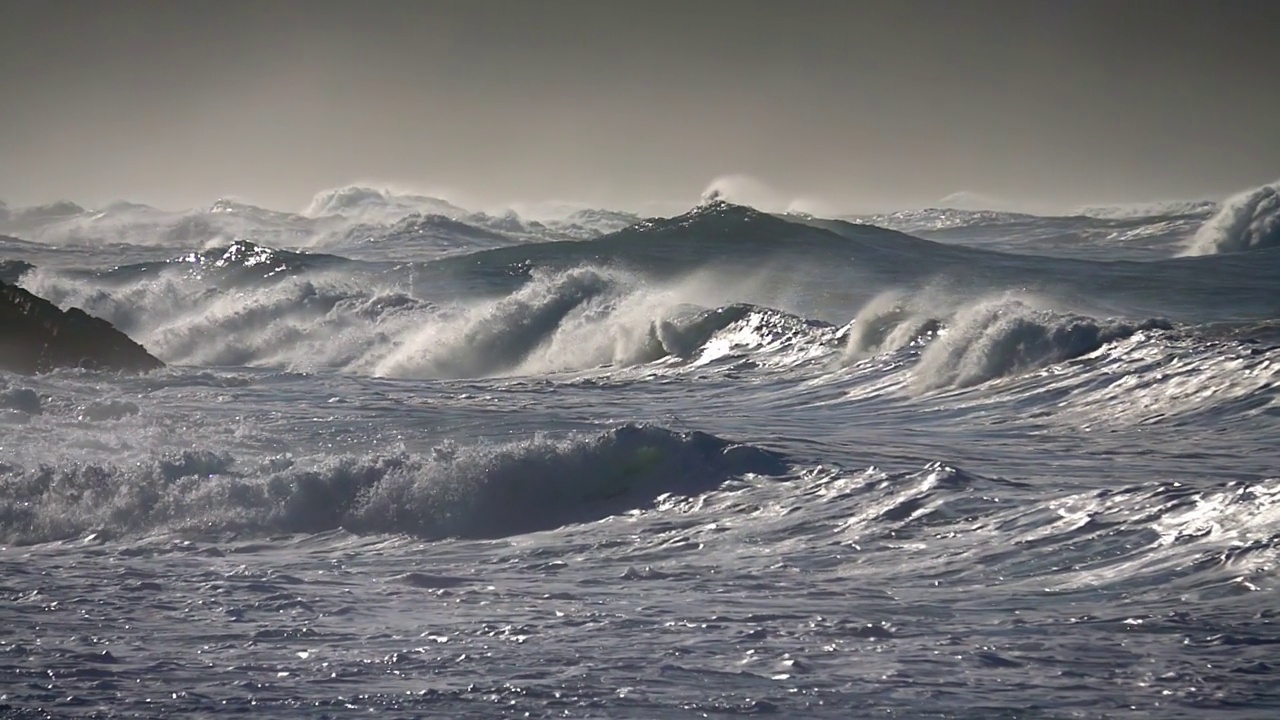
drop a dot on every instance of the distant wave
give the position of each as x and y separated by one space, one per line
123 223
418 237
1157 209
370 220
718 233
43 213
358 218
1248 221
378 204
1150 233
242 259
596 222
478 491
936 219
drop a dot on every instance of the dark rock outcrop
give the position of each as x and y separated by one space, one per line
36 337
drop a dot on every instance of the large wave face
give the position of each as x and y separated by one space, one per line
1248 221
480 491
1001 338
576 319
981 341
891 321
497 337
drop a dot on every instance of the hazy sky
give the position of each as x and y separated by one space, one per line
845 104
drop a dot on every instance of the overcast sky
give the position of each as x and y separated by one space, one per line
844 104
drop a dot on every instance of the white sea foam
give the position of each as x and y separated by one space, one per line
1248 221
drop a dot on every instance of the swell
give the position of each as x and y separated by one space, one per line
480 491
655 291
239 261
358 219
818 258
829 258
1138 233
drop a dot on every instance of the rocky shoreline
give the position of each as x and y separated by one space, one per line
37 337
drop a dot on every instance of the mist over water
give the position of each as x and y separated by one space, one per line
411 458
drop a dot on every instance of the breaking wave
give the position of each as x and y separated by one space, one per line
981 341
722 281
297 314
1248 221
247 305
992 340
480 491
377 204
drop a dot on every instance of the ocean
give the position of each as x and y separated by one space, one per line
416 461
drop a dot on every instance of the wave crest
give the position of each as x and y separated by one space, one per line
891 321
495 338
1248 221
480 491
980 341
994 339
372 203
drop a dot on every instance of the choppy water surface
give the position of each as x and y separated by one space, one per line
726 463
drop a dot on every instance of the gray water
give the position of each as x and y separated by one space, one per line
716 466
